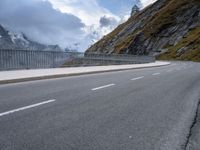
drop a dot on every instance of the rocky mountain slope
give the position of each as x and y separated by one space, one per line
18 41
167 27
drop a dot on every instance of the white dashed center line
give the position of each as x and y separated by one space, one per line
155 74
26 107
102 87
137 78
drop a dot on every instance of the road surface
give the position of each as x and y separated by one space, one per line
144 109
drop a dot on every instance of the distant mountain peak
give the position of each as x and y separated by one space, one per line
135 10
17 41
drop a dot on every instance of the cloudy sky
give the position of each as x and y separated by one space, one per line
71 23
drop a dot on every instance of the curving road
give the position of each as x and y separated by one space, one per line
144 109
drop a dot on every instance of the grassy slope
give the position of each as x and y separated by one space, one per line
162 19
191 42
166 16
159 20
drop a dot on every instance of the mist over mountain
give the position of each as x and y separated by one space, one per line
18 41
65 22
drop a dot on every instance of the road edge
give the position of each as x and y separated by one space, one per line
73 74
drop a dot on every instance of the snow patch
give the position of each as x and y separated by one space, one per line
18 37
12 36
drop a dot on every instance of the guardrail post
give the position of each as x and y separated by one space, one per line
54 65
26 61
1 61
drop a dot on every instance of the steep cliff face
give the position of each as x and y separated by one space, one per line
188 48
154 30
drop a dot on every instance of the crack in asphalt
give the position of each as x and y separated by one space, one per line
194 122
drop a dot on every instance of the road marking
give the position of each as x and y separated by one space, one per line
102 87
137 78
26 107
155 74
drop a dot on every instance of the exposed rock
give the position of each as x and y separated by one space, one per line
135 10
159 26
19 41
182 50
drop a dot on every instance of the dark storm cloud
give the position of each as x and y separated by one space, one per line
40 21
107 21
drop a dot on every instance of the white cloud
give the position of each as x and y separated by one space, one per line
91 14
63 22
147 2
88 11
99 21
40 22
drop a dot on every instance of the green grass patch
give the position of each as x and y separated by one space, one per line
191 43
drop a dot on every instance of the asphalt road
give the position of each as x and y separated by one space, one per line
144 109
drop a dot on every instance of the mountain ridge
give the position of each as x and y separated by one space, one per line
154 30
19 41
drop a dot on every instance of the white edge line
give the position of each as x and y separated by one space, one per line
26 107
101 87
155 74
137 78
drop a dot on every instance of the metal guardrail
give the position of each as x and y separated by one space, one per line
26 59
121 57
